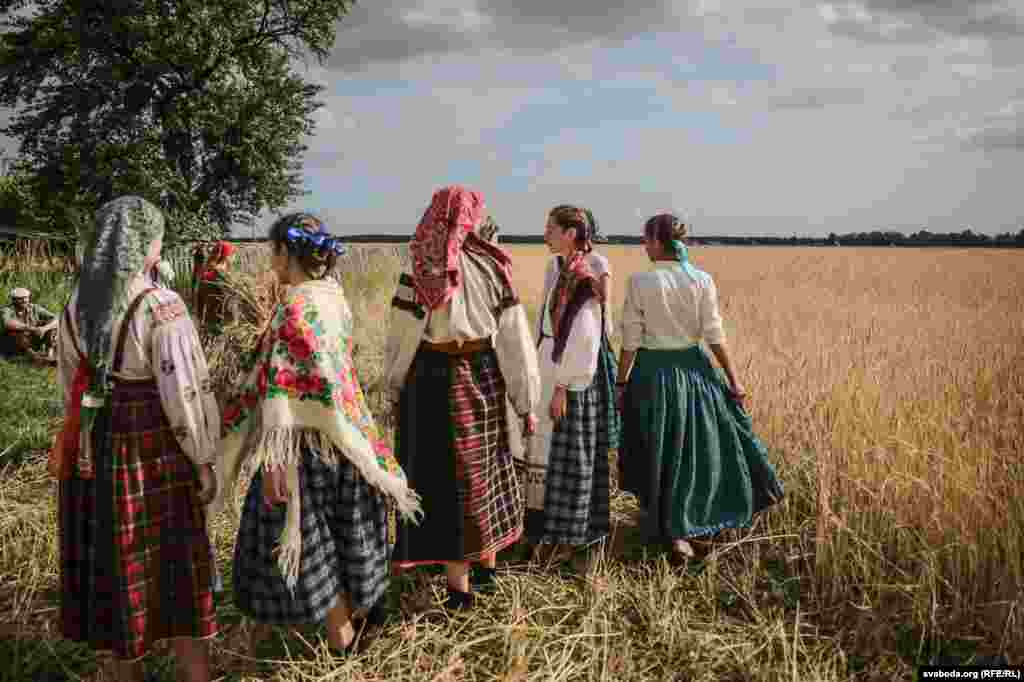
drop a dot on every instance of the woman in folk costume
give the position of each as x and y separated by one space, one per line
688 451
459 353
312 541
139 439
568 478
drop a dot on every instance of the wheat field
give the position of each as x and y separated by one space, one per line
887 384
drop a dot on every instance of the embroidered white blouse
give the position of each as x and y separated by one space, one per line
161 344
478 309
665 308
578 364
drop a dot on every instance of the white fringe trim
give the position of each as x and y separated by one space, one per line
280 447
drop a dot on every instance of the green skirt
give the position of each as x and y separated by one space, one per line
688 451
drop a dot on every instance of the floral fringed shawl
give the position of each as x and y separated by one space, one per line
300 387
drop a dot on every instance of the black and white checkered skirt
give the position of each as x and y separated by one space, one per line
344 546
577 507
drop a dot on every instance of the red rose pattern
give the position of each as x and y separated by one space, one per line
310 384
285 379
290 330
231 413
300 348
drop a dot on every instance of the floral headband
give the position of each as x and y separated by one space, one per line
321 241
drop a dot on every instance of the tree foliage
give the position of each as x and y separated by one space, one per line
195 105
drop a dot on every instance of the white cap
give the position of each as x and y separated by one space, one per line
20 292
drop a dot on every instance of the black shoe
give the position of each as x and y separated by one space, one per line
459 600
483 578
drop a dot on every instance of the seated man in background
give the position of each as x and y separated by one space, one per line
27 328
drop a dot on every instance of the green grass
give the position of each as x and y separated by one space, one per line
29 400
29 407
49 289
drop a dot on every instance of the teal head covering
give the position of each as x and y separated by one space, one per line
114 253
669 230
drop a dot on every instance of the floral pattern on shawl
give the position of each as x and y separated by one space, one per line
453 214
298 360
300 389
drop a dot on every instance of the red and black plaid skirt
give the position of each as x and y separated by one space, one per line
452 442
135 557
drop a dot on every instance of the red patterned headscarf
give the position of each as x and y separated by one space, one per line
453 214
220 254
222 251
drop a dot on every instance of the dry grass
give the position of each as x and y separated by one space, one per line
886 383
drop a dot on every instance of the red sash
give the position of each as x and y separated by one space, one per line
64 453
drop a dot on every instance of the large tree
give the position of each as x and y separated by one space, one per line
194 104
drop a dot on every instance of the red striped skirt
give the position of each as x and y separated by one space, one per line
136 564
453 444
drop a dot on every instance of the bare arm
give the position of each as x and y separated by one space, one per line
632 332
721 352
626 358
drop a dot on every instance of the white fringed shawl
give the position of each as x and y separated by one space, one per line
300 388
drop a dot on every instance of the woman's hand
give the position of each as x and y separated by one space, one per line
529 424
275 487
207 484
558 404
738 393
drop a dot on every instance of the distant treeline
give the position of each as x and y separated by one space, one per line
918 239
967 238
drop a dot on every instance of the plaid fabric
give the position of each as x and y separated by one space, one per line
136 562
458 400
577 506
609 425
488 489
344 546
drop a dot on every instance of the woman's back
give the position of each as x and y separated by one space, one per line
667 308
160 310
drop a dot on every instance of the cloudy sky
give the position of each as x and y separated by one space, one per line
751 116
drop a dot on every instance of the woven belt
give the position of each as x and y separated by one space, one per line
453 348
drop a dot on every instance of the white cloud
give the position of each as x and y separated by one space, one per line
457 16
860 115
